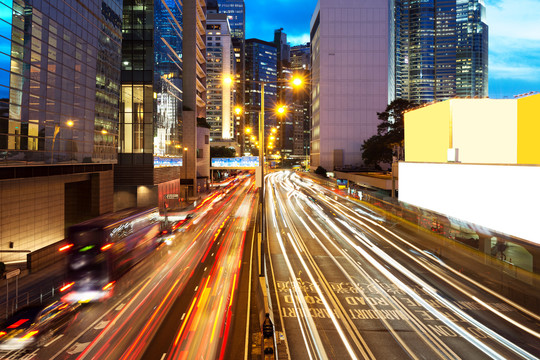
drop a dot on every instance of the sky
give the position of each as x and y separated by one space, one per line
514 37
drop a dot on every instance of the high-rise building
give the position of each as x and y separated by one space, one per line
301 67
236 14
285 133
472 49
151 143
439 50
261 66
219 64
349 78
59 91
194 91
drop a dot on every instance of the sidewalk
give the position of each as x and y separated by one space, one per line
39 287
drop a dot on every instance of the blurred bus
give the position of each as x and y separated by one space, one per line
101 250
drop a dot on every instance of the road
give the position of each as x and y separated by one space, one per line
350 286
179 303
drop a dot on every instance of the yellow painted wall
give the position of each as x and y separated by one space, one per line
427 133
485 130
528 130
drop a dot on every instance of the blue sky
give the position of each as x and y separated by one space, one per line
514 37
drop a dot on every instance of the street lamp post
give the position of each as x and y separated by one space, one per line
262 237
185 172
262 225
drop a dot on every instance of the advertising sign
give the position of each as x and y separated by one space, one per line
236 162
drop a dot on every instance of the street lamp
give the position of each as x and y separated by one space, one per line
184 160
260 179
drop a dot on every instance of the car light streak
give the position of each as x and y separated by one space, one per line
480 345
449 280
417 326
455 272
361 239
66 247
185 322
313 329
67 286
300 323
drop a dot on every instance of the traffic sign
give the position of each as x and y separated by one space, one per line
171 196
12 273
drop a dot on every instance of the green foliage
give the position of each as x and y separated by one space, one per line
222 152
390 132
201 122
320 171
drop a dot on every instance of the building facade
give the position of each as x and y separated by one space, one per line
261 66
439 50
301 66
219 64
465 157
236 14
59 93
285 133
194 89
349 78
150 148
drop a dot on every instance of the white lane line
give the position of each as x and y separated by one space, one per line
53 340
120 307
163 356
95 322
196 287
183 316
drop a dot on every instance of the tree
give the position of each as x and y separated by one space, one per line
320 171
390 132
222 152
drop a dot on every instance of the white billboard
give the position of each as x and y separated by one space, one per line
504 198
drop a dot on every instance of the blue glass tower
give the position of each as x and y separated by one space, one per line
59 94
150 143
439 50
261 66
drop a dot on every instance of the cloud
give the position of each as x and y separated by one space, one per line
263 17
514 42
298 39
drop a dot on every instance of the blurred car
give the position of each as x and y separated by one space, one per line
34 326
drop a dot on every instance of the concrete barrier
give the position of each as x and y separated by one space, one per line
45 257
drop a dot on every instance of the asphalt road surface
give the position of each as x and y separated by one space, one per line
350 287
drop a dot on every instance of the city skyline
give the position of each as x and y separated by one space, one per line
514 50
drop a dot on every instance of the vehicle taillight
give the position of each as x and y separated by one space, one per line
108 286
17 324
65 287
106 247
65 247
29 335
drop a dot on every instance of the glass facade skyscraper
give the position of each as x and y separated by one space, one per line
150 144
236 14
59 82
439 50
59 94
219 63
301 66
261 66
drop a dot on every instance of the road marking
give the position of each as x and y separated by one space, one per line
196 287
183 316
95 322
163 356
101 325
53 340
205 269
120 307
77 348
